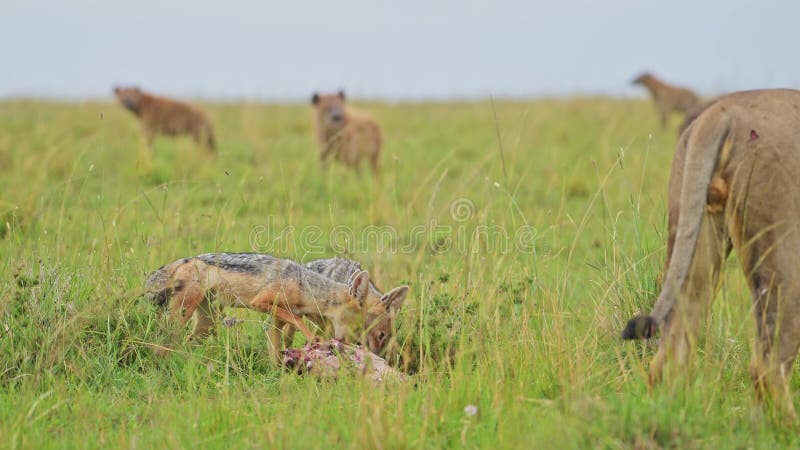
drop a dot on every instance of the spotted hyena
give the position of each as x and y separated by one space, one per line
346 134
160 115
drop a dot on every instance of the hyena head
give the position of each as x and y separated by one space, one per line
130 97
330 109
352 315
643 78
380 315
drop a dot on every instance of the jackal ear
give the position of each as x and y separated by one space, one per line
359 285
341 95
116 89
314 98
394 299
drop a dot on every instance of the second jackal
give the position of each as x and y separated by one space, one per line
380 309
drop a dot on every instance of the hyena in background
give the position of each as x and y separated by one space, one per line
204 284
669 98
160 115
380 309
344 133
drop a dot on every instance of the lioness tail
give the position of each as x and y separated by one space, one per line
711 135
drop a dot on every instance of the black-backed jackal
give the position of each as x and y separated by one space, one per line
203 284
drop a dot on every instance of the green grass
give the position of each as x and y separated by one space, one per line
527 333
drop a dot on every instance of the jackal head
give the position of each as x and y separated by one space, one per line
130 97
380 315
330 109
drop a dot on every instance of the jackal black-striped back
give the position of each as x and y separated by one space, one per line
340 270
252 263
261 269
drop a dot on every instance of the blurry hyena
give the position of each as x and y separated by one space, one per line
668 97
345 134
160 115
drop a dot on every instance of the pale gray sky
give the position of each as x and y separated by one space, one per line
411 49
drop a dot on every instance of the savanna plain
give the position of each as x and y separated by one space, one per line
528 231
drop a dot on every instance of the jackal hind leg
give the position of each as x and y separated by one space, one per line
681 331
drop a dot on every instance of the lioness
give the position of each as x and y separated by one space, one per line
167 116
344 133
734 184
667 97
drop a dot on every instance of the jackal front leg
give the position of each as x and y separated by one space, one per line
267 301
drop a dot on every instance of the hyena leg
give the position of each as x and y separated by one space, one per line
681 330
204 137
211 143
663 113
353 163
198 136
149 136
776 312
374 162
325 154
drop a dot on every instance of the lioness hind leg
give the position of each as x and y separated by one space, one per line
681 330
777 342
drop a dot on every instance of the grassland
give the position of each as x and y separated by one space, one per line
528 331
